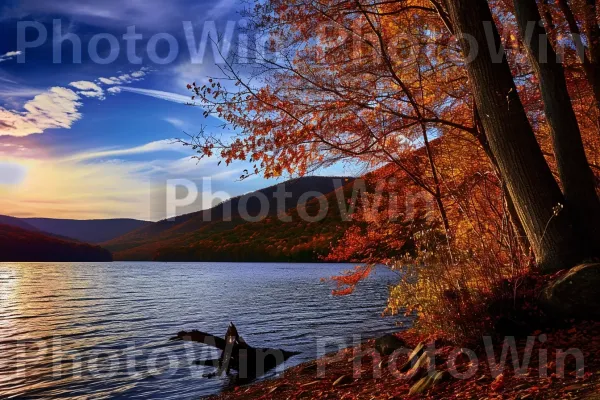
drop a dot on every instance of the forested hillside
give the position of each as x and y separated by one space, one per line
20 245
194 238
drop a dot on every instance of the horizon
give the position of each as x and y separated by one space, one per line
299 199
194 210
84 139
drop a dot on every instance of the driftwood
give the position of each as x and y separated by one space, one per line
250 362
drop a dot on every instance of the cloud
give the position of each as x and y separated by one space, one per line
105 184
176 122
76 190
125 78
55 108
147 15
88 89
8 91
9 56
4 79
58 107
96 184
109 81
159 145
186 73
159 94
114 90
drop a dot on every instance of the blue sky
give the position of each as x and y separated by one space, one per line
88 139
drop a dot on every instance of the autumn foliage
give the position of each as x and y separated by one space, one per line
385 85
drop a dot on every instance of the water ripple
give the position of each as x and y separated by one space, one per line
95 330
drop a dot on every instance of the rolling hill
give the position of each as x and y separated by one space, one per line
22 245
17 222
194 237
89 231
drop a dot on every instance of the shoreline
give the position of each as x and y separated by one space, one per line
354 373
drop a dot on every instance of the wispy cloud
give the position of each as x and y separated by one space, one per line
159 94
88 89
57 107
100 184
125 78
176 122
159 145
9 56
13 91
77 190
4 79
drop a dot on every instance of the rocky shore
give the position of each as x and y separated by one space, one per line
558 364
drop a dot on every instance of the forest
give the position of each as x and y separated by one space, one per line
489 111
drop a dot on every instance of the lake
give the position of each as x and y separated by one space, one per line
101 330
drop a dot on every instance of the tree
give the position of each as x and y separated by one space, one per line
373 82
554 237
574 170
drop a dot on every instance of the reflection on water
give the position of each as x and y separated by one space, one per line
96 330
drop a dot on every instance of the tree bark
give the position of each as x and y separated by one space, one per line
533 189
592 31
573 168
591 68
518 229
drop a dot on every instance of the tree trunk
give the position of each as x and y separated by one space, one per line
592 31
573 168
591 69
509 204
533 189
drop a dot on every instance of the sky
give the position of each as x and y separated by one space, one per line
92 97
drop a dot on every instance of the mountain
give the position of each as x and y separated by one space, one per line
89 231
195 237
17 222
22 245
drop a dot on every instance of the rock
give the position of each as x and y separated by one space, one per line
429 382
576 293
420 368
343 380
420 387
413 357
387 344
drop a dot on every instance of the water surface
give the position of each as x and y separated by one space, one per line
100 330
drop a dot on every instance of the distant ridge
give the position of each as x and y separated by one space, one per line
17 222
192 237
89 231
196 220
22 245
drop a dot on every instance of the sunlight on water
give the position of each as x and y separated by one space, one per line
77 331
